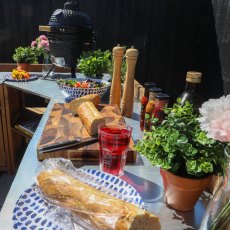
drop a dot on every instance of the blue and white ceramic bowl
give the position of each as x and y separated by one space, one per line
72 93
33 212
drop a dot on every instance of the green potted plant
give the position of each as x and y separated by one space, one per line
95 64
186 156
24 56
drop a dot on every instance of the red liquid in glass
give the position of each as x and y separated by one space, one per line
112 149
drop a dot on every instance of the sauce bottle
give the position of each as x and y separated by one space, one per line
144 102
161 102
150 107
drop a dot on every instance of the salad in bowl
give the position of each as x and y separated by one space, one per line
74 88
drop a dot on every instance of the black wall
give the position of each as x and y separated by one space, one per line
172 36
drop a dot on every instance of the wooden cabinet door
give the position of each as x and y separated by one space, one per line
2 149
4 158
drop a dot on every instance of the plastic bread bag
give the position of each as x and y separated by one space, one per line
86 201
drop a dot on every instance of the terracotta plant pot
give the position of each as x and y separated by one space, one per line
23 66
182 193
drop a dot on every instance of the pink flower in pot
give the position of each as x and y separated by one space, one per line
41 43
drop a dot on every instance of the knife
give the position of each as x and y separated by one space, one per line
64 144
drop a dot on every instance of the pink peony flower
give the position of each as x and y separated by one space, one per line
33 43
43 37
44 44
41 44
215 118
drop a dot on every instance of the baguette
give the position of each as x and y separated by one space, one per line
90 117
112 114
103 211
74 105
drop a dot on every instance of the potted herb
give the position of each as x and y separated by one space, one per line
186 155
94 64
24 56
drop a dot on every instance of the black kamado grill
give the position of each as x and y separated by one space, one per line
69 32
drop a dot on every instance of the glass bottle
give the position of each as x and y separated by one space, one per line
47 65
217 216
191 91
162 100
150 107
144 102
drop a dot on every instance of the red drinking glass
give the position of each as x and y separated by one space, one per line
114 140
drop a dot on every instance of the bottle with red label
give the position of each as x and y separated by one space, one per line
144 102
161 102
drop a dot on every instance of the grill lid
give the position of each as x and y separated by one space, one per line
70 16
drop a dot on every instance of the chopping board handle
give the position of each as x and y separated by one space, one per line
128 94
115 92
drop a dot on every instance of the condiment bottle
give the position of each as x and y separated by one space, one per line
144 102
115 91
161 102
150 107
128 94
191 91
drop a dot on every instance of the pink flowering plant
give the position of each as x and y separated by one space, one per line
215 118
41 44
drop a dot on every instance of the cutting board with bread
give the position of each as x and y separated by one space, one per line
71 130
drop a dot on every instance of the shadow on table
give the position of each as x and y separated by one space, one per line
194 217
136 116
149 191
78 164
139 161
153 197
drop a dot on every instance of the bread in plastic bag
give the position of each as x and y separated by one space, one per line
91 205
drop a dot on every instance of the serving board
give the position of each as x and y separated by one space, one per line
62 126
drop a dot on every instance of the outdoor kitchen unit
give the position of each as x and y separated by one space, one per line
69 32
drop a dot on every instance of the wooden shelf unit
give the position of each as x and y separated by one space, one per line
19 104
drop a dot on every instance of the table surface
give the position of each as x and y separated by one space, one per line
141 175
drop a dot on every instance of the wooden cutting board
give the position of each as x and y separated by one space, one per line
63 126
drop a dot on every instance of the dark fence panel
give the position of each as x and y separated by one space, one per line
172 36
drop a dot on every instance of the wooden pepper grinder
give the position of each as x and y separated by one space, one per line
128 94
115 92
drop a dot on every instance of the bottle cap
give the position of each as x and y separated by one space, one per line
193 77
150 84
155 90
162 96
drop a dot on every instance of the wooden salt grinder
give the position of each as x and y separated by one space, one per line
128 94
115 92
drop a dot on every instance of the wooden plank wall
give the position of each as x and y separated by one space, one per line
172 36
